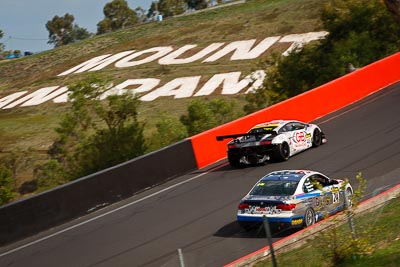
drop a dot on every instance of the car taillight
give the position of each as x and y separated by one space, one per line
243 206
286 207
265 142
230 146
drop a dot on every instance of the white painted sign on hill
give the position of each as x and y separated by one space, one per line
183 87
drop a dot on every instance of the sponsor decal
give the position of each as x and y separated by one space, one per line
300 137
297 221
260 210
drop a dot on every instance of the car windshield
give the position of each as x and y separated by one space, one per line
275 188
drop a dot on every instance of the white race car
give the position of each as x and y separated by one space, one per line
275 140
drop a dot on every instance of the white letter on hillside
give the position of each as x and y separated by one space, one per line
145 85
62 98
242 49
38 97
158 52
96 63
179 87
229 81
172 57
256 79
10 98
300 39
231 84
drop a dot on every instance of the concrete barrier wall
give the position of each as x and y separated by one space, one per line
35 214
305 107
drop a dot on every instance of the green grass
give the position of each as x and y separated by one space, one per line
33 127
380 227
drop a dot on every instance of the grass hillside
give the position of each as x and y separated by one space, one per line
24 128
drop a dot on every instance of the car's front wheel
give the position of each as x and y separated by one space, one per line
282 152
309 217
317 138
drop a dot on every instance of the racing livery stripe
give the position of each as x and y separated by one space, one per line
306 195
270 219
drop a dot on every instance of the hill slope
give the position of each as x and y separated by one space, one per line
32 127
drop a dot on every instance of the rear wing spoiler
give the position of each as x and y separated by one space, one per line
234 136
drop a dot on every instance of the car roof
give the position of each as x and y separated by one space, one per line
288 175
274 123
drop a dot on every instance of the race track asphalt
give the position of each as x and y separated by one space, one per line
196 212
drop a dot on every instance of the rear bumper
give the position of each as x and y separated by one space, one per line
244 151
286 222
251 155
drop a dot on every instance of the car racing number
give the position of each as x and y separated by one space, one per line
335 195
332 197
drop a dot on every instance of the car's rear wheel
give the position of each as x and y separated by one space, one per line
317 138
234 161
309 217
282 152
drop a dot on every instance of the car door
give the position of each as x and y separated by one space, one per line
331 199
299 139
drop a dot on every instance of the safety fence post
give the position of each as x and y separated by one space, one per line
269 237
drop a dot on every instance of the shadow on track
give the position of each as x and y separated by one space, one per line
234 230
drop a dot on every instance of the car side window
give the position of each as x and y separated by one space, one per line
298 126
318 179
288 127
308 186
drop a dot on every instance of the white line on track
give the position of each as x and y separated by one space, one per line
112 211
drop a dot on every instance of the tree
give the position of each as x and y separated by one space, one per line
394 7
1 44
118 15
98 132
79 33
49 175
204 115
197 4
171 7
153 10
62 31
6 185
141 14
169 130
360 32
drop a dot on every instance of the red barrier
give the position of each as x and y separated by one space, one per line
304 107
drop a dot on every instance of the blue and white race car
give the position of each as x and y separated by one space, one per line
276 140
293 198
